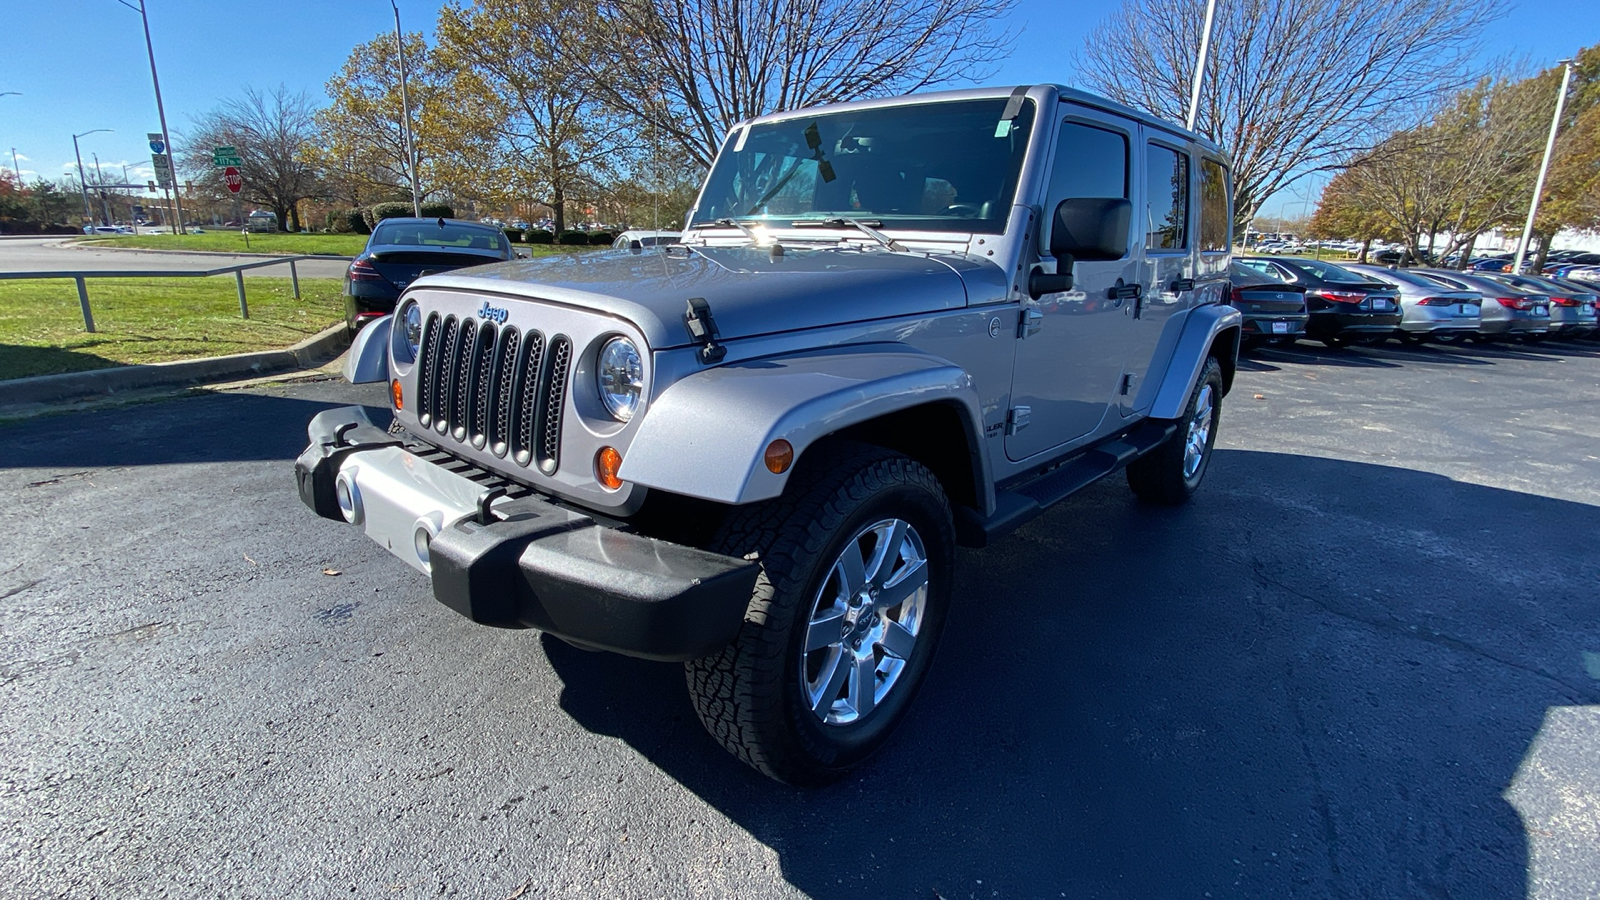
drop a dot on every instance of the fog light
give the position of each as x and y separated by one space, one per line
606 464
779 456
399 398
349 496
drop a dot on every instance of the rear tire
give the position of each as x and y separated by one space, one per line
1170 474
857 559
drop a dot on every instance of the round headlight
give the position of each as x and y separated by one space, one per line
621 378
411 328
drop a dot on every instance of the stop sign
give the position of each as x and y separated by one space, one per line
233 178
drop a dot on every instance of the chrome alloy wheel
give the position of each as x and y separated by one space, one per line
864 622
1194 450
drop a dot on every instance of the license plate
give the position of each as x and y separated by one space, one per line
1541 310
1588 307
1380 303
1280 327
1467 309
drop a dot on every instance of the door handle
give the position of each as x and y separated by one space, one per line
1182 284
1125 292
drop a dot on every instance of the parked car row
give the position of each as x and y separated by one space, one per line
1357 303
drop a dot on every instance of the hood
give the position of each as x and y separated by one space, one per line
749 292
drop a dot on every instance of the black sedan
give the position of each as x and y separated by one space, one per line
1274 310
402 250
1345 307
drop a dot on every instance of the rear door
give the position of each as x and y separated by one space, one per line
1069 359
1165 225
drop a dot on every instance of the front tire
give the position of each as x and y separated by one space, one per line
857 559
1170 474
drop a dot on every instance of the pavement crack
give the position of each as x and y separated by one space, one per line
1330 832
1574 693
20 588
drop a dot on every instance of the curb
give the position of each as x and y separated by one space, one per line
311 353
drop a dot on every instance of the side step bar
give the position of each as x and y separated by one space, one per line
1020 502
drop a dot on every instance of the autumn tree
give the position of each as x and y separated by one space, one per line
362 148
1293 85
523 81
1572 189
691 69
274 133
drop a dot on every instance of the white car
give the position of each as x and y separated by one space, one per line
644 238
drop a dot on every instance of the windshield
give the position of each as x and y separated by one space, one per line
432 234
1330 273
949 166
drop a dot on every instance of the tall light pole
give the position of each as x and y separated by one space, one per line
1200 65
83 183
1544 167
405 107
161 111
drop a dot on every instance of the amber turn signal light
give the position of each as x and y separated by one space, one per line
779 456
606 464
399 398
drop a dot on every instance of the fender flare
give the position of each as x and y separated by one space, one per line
706 435
1200 332
368 357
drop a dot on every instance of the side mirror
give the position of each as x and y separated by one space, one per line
1092 228
1089 228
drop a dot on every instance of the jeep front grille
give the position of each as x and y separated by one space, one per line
491 386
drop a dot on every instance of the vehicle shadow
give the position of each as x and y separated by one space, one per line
1137 702
1345 357
216 427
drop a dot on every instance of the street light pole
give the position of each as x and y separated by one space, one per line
1544 167
405 107
83 183
1199 65
100 186
161 112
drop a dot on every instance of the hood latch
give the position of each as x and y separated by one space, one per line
703 330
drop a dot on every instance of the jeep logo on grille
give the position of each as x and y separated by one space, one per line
489 312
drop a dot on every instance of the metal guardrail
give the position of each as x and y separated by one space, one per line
81 277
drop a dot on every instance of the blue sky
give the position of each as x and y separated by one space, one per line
81 64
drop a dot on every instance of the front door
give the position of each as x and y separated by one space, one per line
1073 346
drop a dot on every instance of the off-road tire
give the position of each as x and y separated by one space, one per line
749 696
1158 476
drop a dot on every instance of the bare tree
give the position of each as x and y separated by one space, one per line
691 69
1295 85
273 133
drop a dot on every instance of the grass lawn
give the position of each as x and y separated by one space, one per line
233 242
147 320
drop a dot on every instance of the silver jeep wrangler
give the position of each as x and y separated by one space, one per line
890 327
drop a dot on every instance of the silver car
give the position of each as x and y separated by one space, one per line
1506 311
1431 312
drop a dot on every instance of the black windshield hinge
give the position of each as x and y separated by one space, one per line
703 330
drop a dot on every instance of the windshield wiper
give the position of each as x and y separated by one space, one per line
754 236
865 227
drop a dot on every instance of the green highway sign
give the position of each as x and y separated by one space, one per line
222 157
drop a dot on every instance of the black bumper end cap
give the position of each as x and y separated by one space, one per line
556 570
334 434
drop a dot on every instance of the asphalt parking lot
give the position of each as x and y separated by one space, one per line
1364 662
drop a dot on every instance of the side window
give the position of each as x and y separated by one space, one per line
1260 267
1090 162
1166 191
1215 221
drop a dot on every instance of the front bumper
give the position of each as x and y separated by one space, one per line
522 562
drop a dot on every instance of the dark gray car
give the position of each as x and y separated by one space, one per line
1506 311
